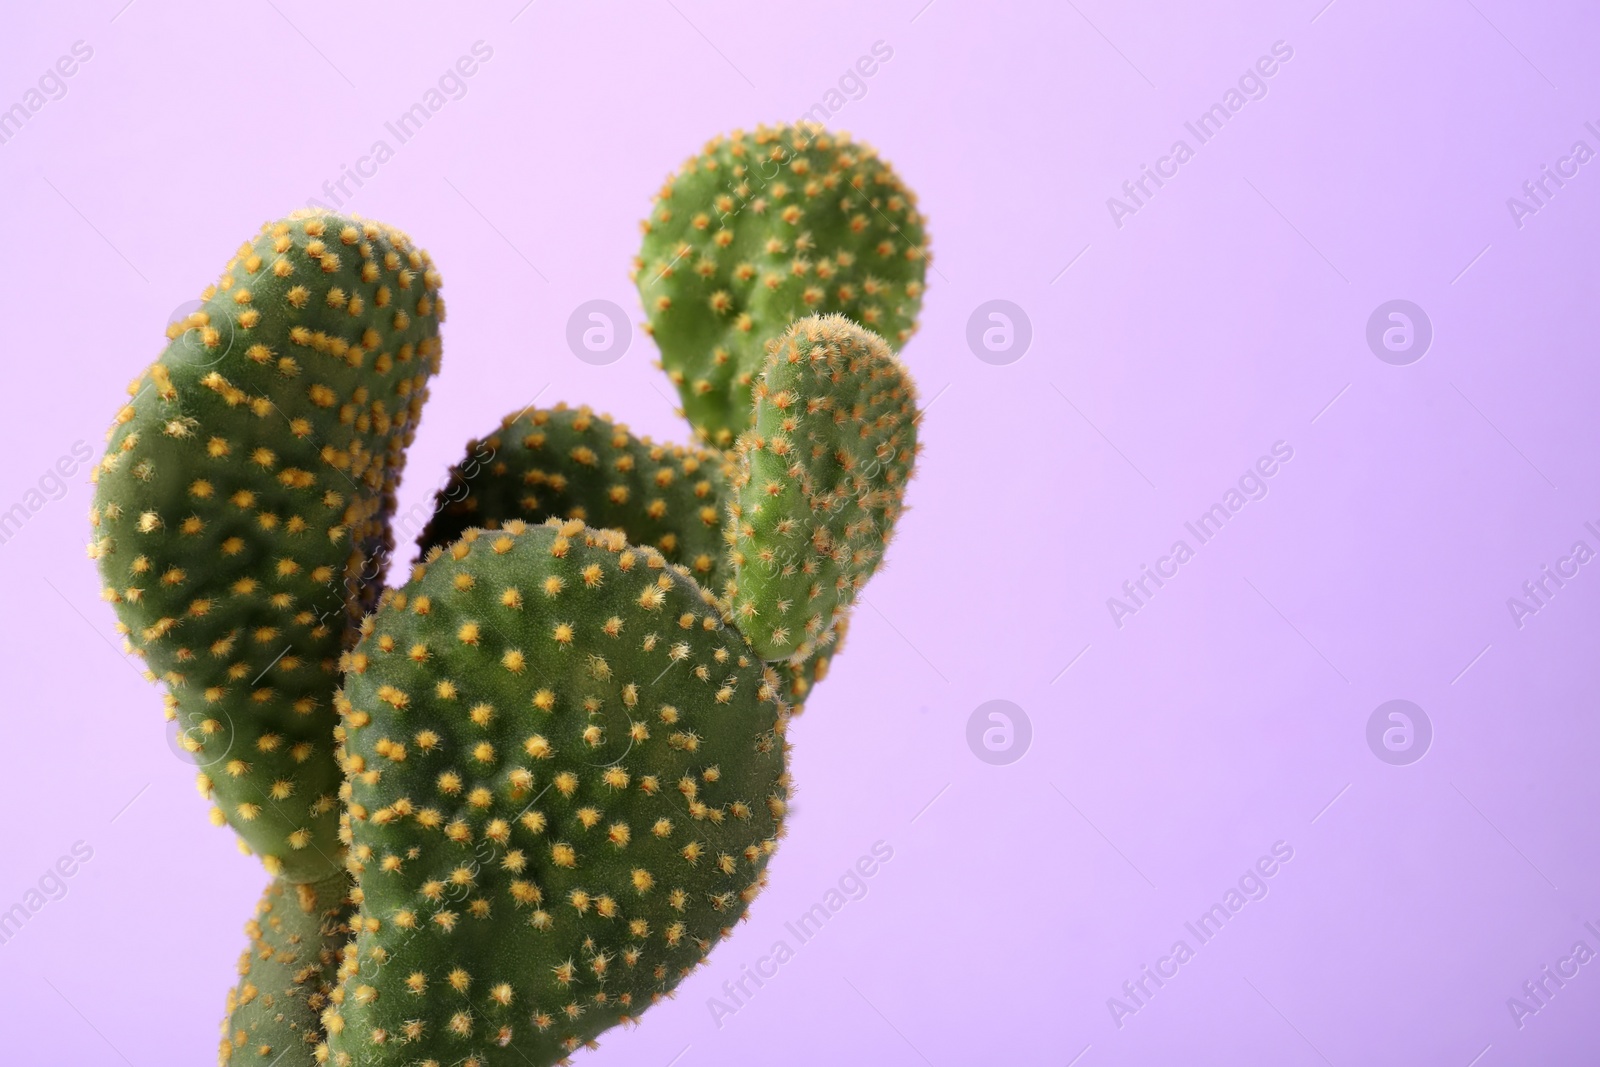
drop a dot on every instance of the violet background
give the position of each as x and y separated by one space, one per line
1228 314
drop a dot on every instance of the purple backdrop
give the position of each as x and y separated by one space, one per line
1222 736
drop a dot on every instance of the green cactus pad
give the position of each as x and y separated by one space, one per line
820 481
800 675
242 509
287 975
566 776
566 464
573 464
758 230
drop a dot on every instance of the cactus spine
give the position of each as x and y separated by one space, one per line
516 800
761 229
820 482
241 510
287 973
566 778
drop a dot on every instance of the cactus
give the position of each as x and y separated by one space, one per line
566 777
574 464
834 437
244 498
516 800
820 483
761 229
288 973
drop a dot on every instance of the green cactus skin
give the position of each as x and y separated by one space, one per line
573 464
566 776
242 507
560 748
800 675
758 230
820 481
287 974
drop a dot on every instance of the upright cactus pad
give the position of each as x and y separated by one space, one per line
287 974
242 508
566 776
758 230
820 481
573 464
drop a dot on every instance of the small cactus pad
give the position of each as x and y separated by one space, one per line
241 511
758 230
566 776
801 674
287 974
820 482
574 464
567 464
